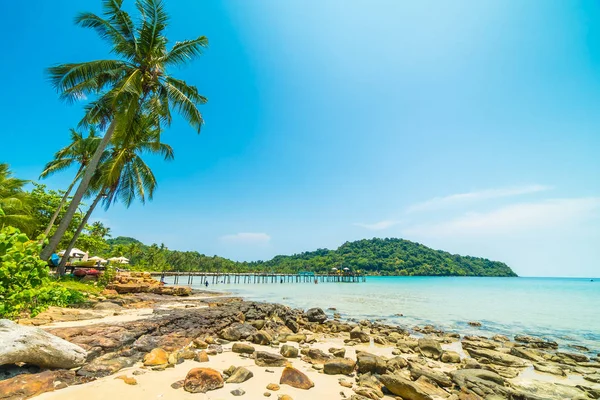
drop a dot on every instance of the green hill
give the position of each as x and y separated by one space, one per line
387 257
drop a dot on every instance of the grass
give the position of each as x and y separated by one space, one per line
76 284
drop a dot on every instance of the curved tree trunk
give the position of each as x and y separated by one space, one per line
81 189
62 204
65 257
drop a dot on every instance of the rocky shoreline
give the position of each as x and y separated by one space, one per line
228 347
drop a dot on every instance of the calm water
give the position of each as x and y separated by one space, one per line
566 310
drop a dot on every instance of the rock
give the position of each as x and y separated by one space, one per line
294 378
187 354
429 387
238 331
202 356
535 342
200 344
416 371
262 337
396 364
487 382
176 358
404 388
592 377
242 348
368 393
316 315
284 397
345 383
201 380
107 305
573 356
368 362
214 349
292 325
23 344
156 357
341 352
549 369
496 357
358 334
289 351
128 380
238 392
316 356
267 394
450 357
177 384
29 385
265 359
298 338
474 323
108 364
240 375
344 366
273 386
526 353
430 348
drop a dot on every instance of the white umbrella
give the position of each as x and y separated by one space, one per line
96 258
119 260
346 269
75 253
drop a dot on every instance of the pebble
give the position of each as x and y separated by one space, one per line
238 392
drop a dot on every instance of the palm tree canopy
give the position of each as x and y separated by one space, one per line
78 152
14 201
138 80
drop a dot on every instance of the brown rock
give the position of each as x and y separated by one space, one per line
289 351
202 356
430 348
368 362
451 357
292 377
262 337
240 375
341 352
128 380
273 386
284 397
178 384
29 385
201 380
242 348
156 357
344 366
265 359
404 388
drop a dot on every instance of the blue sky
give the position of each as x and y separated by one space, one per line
468 126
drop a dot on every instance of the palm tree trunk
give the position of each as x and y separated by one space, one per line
81 189
65 257
62 204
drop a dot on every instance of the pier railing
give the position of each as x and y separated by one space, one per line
255 278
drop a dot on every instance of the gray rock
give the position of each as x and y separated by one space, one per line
265 359
242 348
23 344
535 342
238 331
238 392
316 315
430 348
240 375
289 351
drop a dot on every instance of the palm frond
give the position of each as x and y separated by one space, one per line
185 51
183 98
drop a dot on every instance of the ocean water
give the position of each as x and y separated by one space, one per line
563 309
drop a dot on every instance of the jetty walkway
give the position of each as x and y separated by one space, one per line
255 278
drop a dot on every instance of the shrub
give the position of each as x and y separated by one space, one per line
107 276
25 286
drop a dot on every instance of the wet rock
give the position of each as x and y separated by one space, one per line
23 344
156 357
316 315
343 366
368 362
202 356
242 348
341 352
238 331
573 356
474 323
240 375
265 359
536 342
262 338
238 392
201 380
496 357
293 377
289 351
528 354
273 386
549 369
358 334
450 357
592 377
430 348
404 388
292 325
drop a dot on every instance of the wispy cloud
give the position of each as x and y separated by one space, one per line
471 197
247 238
512 219
378 226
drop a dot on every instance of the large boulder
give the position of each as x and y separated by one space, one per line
242 348
358 334
496 357
368 362
240 375
316 315
156 357
238 331
266 359
344 366
23 344
25 386
291 376
289 351
536 342
430 348
201 380
404 388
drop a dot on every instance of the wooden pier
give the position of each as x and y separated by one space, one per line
187 278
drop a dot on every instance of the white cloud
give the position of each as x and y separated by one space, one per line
378 226
514 218
471 197
250 238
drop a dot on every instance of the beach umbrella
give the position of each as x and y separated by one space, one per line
346 269
119 260
96 258
75 253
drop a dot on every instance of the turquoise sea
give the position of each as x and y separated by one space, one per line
563 309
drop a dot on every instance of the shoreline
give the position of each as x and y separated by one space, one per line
181 317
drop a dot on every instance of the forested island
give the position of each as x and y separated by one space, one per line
372 256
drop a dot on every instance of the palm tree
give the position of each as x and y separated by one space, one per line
124 175
98 229
14 210
135 83
78 152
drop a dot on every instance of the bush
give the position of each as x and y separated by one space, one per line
25 285
107 276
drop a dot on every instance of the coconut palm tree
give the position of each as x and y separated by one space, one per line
124 175
136 82
14 209
79 152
